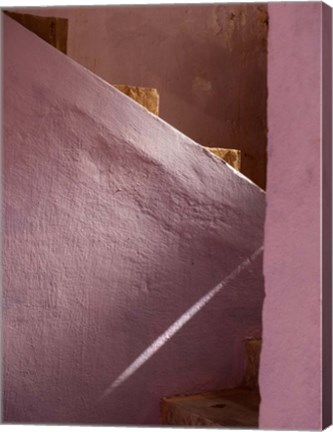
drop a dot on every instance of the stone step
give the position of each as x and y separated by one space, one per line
145 96
231 156
237 408
150 99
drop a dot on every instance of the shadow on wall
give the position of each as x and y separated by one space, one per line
84 364
115 225
208 63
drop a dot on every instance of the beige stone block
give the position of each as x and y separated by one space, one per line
231 156
238 408
147 97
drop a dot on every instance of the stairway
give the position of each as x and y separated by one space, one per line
55 30
238 407
126 245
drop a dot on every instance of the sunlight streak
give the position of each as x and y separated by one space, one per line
177 325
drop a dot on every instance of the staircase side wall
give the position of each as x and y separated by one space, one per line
208 63
116 228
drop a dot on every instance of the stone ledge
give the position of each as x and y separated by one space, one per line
229 408
147 97
231 156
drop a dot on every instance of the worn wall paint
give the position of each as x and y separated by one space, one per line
290 370
115 224
208 63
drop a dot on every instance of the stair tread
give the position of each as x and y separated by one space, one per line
237 407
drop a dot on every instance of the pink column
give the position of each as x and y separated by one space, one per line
291 362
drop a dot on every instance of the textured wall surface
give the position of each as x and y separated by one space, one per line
208 63
290 368
115 225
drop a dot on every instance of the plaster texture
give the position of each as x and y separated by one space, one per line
115 225
208 63
291 359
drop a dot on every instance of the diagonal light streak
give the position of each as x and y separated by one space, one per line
177 325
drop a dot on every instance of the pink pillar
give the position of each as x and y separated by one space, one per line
291 370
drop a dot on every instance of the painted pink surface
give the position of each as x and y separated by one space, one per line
115 224
208 63
327 214
290 371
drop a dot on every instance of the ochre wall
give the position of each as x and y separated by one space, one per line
208 63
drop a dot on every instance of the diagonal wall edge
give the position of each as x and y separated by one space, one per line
114 225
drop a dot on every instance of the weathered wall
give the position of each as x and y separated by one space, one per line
115 225
208 63
291 368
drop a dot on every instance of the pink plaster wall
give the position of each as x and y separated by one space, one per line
115 224
327 214
291 362
208 63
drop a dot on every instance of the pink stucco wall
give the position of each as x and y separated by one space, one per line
208 63
291 360
327 214
115 225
